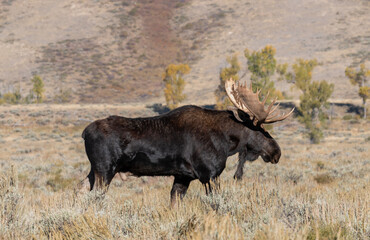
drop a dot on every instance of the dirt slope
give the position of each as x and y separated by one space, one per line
101 51
336 33
115 51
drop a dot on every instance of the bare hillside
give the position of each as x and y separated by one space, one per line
115 51
101 51
336 33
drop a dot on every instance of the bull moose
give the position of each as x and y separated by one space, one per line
188 143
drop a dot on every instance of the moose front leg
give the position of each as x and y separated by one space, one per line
179 188
239 171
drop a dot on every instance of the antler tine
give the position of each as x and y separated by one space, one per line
270 117
276 106
264 100
284 116
257 94
232 90
270 106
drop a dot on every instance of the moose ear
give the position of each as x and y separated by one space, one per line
239 115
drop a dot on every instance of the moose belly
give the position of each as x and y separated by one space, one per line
144 164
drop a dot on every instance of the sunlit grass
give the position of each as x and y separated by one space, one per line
315 192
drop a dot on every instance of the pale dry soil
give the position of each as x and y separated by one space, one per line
108 50
314 191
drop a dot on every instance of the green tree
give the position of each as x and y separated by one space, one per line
30 97
314 97
63 96
10 98
175 84
38 88
262 65
222 101
282 70
311 107
360 78
14 97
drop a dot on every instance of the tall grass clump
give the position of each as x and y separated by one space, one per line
11 204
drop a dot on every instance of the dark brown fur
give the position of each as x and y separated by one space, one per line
188 143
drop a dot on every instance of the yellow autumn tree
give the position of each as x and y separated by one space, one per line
315 96
38 88
360 78
175 84
262 66
222 101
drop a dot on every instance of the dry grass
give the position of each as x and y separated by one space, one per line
315 192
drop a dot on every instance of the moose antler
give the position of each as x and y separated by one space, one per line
248 101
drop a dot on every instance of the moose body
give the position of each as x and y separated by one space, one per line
188 143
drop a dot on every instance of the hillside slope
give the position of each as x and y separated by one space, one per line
115 51
102 51
336 33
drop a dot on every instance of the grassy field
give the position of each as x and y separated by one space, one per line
315 192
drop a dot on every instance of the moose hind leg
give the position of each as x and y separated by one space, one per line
216 183
210 186
101 180
179 188
207 188
86 184
91 178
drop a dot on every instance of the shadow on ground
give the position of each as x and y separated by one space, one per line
351 108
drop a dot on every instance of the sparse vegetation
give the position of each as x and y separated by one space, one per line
133 11
314 97
64 96
328 231
11 97
262 65
92 59
323 178
175 84
38 88
360 78
57 182
222 101
16 97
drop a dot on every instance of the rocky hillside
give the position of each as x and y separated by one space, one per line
115 51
